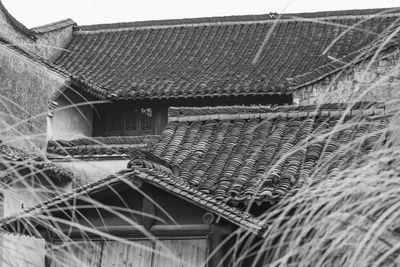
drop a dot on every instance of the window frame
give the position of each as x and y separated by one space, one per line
120 112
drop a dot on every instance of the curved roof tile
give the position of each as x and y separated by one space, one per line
215 56
262 153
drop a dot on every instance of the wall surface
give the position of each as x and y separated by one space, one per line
377 80
93 170
73 117
50 45
47 45
25 89
23 194
22 251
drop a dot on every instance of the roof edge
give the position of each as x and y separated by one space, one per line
54 26
238 19
243 112
231 214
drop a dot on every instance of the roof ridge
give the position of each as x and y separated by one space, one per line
53 26
246 112
238 19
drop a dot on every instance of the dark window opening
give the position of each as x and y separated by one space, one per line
122 120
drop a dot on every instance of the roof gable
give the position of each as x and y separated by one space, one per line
155 176
215 56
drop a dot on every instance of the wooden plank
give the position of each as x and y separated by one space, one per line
180 253
22 251
76 254
136 253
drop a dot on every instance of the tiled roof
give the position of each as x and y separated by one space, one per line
98 146
263 153
155 177
214 56
12 158
54 26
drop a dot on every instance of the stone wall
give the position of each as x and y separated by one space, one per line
376 81
26 88
47 45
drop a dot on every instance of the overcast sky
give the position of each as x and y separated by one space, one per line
38 12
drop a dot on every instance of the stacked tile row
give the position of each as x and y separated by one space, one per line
214 59
240 160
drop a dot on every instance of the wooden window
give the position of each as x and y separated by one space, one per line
123 120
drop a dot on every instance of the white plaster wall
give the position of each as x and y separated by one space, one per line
93 170
71 121
22 195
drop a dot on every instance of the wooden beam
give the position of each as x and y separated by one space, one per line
181 230
208 218
156 230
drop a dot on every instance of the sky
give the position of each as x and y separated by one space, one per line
39 12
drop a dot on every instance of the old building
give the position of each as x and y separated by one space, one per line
209 175
192 179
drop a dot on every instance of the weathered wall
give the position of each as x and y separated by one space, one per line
379 81
24 194
25 89
93 170
51 44
22 251
72 121
47 45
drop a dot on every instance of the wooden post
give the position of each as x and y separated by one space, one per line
148 208
160 118
214 239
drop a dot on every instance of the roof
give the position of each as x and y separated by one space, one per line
240 154
214 56
160 179
12 158
58 25
215 157
98 147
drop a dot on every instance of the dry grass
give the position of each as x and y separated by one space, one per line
348 219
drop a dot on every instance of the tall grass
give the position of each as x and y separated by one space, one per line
347 219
